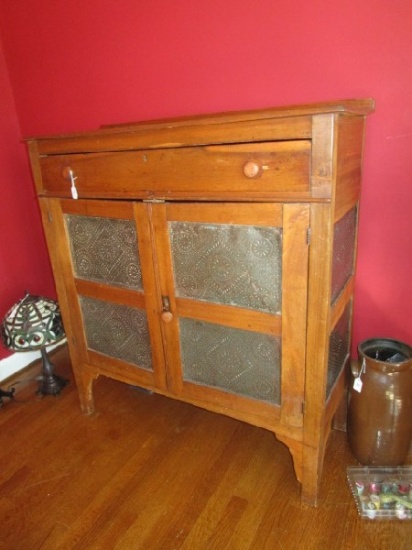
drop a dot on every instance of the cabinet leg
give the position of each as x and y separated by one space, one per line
340 418
308 464
313 459
84 383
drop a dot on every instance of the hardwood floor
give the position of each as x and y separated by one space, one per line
147 472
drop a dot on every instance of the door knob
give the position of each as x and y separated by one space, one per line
167 316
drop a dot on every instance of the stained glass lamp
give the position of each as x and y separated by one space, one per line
32 324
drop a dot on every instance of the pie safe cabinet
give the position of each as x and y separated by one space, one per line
211 259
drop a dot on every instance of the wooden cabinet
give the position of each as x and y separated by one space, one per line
212 259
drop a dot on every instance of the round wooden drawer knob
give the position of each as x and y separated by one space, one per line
167 317
251 169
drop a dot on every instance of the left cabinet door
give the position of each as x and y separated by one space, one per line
103 265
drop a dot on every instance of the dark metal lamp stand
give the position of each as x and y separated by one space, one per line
50 383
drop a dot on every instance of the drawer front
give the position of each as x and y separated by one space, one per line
256 170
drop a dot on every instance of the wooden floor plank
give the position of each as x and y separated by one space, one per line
147 472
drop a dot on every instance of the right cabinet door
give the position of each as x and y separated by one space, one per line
233 283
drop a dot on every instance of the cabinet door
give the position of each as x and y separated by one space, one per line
107 265
233 279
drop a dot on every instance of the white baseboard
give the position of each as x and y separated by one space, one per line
20 360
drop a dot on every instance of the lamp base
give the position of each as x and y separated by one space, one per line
50 383
8 394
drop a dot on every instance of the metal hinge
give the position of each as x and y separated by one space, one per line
155 201
308 235
49 215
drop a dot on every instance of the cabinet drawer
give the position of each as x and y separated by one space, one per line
247 170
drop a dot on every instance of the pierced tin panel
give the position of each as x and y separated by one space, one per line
105 250
228 264
117 331
343 251
338 347
238 361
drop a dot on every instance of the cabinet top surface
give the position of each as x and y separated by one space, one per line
363 106
199 129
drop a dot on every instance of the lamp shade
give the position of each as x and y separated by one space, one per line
32 323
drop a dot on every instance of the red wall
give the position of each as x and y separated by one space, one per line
24 262
75 65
